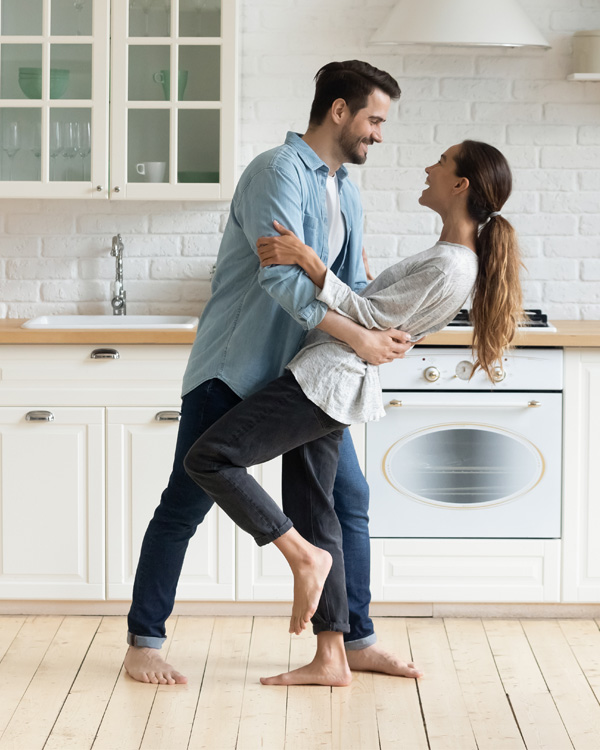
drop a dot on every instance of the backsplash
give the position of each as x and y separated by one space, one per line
55 255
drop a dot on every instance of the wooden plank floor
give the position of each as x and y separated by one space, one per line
488 685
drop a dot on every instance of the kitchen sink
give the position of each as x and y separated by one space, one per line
110 322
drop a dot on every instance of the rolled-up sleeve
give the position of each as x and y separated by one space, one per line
407 303
276 193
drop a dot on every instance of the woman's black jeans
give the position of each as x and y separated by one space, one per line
271 422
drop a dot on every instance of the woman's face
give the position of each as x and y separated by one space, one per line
441 181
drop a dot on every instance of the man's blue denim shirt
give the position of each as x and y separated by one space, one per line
256 318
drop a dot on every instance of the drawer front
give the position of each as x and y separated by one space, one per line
92 374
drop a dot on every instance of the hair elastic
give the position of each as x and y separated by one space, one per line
494 213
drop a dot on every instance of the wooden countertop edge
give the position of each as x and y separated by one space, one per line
570 333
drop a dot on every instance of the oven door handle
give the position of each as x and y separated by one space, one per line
529 405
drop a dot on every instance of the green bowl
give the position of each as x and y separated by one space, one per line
197 177
30 82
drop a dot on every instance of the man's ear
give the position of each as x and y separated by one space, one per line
339 109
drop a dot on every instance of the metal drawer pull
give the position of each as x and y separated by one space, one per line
105 354
39 416
168 416
529 404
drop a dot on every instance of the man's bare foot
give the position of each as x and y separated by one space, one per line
146 665
309 578
329 667
375 659
314 673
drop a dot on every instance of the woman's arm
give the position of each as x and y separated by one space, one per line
286 249
406 297
374 346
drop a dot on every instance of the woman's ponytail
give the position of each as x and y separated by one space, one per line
497 303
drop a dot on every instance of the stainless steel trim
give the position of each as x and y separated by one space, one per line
105 354
39 416
168 416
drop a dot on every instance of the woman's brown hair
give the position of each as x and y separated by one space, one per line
497 300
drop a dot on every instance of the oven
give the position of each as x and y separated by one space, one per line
460 458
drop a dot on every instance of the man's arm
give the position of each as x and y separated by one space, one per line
275 193
374 346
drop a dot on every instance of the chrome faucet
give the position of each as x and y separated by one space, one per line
118 302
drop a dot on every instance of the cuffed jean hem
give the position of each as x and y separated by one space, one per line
331 627
272 535
145 641
361 643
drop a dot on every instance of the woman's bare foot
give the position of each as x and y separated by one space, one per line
146 665
375 659
329 667
310 575
310 566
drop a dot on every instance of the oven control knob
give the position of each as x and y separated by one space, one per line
464 369
498 374
432 374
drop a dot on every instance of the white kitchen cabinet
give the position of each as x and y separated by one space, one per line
141 445
581 472
52 502
172 72
54 98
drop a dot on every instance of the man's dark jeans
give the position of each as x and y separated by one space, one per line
184 505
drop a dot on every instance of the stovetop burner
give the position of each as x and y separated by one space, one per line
533 319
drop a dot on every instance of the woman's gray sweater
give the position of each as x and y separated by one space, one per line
419 295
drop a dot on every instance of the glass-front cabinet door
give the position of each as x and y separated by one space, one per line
173 99
54 98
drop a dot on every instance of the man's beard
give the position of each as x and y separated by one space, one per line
350 147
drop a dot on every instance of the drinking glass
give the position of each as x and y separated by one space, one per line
36 147
199 6
56 146
85 145
144 6
165 6
79 6
71 144
11 143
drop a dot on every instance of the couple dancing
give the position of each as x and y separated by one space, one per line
256 386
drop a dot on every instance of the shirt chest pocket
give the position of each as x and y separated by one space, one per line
313 233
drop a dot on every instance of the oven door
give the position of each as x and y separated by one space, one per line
458 465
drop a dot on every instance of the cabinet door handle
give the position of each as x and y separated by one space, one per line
39 416
105 354
167 416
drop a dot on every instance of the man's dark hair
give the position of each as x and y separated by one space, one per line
353 81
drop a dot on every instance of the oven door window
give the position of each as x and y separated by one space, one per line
467 465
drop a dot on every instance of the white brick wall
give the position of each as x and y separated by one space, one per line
54 255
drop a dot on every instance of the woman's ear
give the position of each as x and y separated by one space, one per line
461 185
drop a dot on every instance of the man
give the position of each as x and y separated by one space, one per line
251 328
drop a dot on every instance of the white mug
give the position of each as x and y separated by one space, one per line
151 171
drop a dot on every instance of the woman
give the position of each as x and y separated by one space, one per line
326 386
